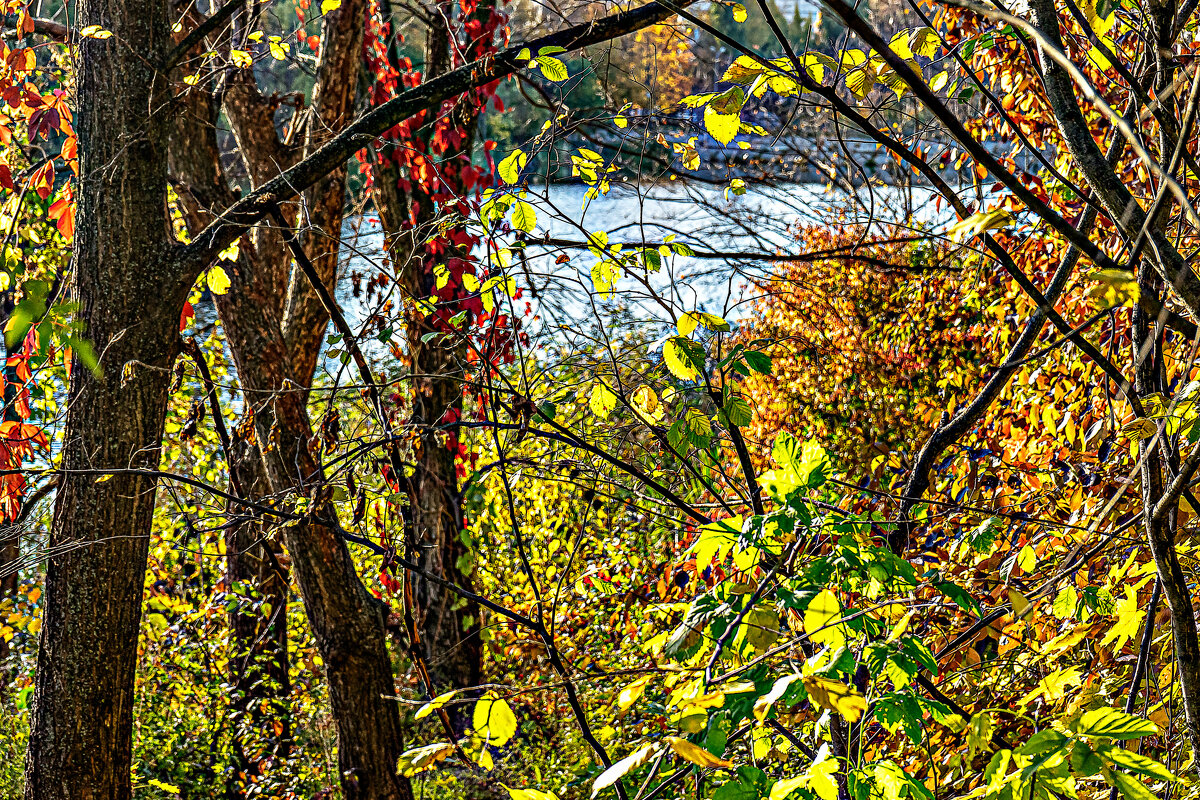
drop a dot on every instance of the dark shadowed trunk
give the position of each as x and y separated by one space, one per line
409 215
258 666
130 294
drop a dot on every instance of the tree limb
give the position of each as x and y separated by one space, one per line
231 223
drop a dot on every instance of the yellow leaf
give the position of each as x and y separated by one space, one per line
1114 287
821 620
981 222
1020 602
722 127
923 41
647 403
1129 619
819 778
434 704
783 788
1027 558
901 626
493 720
816 64
860 81
762 705
602 401
836 696
619 769
218 280
693 319
900 46
424 758
675 354
631 693
695 753
329 6
529 794
510 168
716 539
1138 429
1065 641
1053 686
524 218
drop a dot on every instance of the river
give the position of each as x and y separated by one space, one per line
759 223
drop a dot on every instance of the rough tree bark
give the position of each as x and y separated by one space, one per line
275 372
449 626
259 666
82 722
130 281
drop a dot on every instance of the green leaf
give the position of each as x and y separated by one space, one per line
800 465
86 354
737 411
961 597
1084 759
1135 762
684 358
1043 742
1129 786
1114 724
510 168
758 361
524 218
552 68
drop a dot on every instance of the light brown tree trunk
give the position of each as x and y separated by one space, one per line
274 373
130 294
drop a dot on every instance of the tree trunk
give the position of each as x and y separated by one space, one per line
347 621
258 667
449 625
130 294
